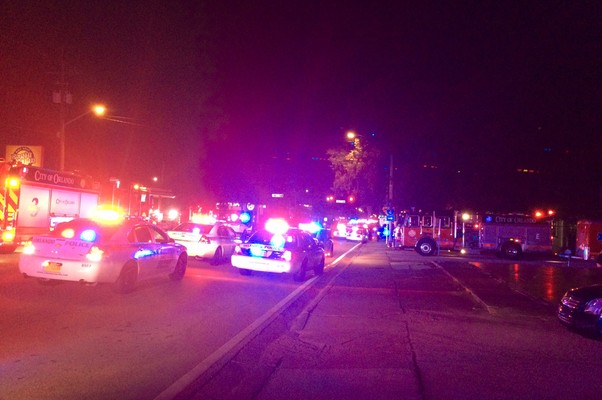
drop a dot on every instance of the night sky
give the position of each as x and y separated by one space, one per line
234 100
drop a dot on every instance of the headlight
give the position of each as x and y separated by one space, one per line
593 307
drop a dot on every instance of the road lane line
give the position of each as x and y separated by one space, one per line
205 370
476 298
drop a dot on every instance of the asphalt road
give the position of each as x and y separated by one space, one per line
69 341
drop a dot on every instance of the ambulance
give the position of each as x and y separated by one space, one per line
33 200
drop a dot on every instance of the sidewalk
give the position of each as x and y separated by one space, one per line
351 344
354 342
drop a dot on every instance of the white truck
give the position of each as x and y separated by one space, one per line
33 200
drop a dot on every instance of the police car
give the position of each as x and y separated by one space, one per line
280 249
121 252
212 240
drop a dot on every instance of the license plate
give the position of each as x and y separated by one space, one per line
53 267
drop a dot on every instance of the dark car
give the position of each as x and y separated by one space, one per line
325 240
581 309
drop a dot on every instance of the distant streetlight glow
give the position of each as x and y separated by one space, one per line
98 110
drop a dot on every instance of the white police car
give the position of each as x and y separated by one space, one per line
89 251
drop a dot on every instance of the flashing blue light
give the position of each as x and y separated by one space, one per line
143 253
277 241
257 251
245 217
488 218
89 235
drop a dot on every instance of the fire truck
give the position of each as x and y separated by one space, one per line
428 232
33 200
510 235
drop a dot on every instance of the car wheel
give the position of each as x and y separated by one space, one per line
511 251
218 256
319 269
426 247
180 269
300 275
127 278
245 272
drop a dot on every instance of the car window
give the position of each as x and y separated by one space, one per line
231 233
266 238
78 226
305 240
158 236
140 234
222 232
194 228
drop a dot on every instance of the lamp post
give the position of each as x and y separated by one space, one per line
99 110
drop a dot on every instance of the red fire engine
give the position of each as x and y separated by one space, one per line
510 235
428 232
33 200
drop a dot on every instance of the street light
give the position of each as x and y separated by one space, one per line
98 109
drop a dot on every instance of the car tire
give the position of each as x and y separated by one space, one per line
426 247
319 269
180 269
127 279
218 256
245 272
299 276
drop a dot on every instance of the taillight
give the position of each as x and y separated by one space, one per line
287 255
204 240
28 248
237 250
94 254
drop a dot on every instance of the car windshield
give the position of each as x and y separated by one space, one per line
286 240
194 228
85 229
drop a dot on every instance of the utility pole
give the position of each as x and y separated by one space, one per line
62 97
391 180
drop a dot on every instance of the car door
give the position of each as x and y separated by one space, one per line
166 250
311 249
145 250
226 239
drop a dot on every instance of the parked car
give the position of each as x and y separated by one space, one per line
581 309
293 251
357 234
215 241
90 251
325 240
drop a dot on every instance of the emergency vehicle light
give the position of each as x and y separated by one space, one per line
88 235
311 227
8 236
276 226
68 233
245 217
12 182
